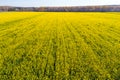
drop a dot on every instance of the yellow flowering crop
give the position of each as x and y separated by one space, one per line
59 46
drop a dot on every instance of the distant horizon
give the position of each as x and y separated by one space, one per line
62 6
57 3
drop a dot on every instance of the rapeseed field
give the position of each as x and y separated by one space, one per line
59 46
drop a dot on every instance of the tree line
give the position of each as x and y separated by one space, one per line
110 8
